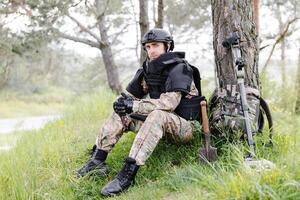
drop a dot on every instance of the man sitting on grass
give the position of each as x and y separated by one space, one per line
162 100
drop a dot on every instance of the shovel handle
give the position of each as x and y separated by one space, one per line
204 117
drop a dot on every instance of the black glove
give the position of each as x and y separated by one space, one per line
123 105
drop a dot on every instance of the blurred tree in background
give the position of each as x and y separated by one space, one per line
35 55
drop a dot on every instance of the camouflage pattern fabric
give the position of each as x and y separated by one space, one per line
160 122
168 102
227 117
110 132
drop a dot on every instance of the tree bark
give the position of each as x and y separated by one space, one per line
282 63
144 25
5 74
154 10
106 51
297 106
256 15
229 16
282 46
160 15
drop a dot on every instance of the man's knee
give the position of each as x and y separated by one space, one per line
158 115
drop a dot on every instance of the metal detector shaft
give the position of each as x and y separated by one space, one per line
240 73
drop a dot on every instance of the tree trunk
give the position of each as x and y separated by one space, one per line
154 10
5 74
282 47
160 15
256 15
144 25
297 107
282 63
109 63
230 16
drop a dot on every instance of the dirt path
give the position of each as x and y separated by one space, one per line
9 126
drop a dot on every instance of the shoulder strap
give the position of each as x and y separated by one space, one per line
197 78
265 108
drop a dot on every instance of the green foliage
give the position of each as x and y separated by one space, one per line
34 61
36 71
187 14
87 78
14 104
42 164
278 93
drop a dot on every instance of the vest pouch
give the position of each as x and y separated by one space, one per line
189 109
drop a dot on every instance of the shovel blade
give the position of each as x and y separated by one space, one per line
208 154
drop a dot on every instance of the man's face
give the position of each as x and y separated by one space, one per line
154 49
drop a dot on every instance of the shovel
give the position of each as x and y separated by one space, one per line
207 153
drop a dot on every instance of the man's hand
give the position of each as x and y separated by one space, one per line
123 105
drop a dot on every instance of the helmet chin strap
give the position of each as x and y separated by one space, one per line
168 47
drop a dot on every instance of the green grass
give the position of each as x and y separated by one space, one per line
51 101
42 164
9 139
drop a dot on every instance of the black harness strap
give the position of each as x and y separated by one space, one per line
266 110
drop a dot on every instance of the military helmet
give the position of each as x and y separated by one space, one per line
158 35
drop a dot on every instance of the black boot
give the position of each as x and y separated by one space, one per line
95 164
123 180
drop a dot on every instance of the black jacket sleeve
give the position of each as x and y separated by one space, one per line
135 86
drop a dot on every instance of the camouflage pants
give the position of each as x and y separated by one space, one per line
158 124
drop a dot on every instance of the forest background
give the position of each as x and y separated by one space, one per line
71 58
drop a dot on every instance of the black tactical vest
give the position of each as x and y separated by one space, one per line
169 73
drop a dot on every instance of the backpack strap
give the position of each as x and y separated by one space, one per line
266 110
196 77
